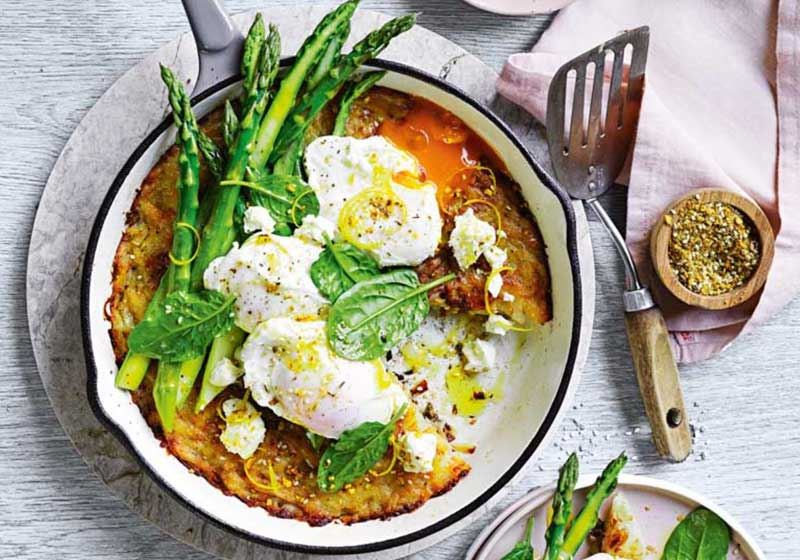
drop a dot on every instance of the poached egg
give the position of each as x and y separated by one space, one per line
371 190
290 368
270 277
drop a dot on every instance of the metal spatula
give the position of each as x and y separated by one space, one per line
588 153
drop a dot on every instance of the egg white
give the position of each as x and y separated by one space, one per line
341 168
270 277
290 369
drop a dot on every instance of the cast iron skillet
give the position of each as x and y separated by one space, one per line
219 48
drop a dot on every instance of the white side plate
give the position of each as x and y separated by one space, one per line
657 507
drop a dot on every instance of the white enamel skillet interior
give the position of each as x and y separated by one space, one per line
513 431
657 507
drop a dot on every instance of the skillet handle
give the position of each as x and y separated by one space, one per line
219 42
659 383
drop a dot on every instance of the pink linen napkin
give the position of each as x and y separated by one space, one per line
721 109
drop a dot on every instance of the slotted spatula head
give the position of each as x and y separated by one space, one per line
588 153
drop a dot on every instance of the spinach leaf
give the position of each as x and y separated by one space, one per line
702 535
523 550
182 325
288 199
339 267
354 453
375 314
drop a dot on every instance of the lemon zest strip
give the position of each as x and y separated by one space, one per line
348 216
196 234
473 201
462 170
273 483
489 279
393 461
295 204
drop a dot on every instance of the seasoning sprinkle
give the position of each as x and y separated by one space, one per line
713 247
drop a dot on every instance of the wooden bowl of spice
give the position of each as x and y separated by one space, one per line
712 248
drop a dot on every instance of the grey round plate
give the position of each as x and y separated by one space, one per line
99 147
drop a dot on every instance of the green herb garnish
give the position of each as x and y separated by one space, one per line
523 550
183 325
288 199
376 314
339 267
562 507
354 453
702 535
354 89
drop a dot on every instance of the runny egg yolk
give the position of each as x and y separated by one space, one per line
439 140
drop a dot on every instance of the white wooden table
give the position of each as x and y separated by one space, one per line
58 56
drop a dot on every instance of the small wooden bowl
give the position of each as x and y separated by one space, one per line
659 246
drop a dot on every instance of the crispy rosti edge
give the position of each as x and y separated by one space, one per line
455 467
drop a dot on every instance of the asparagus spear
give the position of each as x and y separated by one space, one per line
307 57
310 106
218 226
328 58
211 152
132 371
251 52
223 347
289 162
258 67
135 366
523 550
562 507
354 90
165 389
218 232
230 125
587 517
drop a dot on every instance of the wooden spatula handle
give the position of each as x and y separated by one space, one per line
658 379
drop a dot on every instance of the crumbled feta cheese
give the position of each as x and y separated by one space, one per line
225 372
495 256
316 228
497 324
495 285
417 451
244 430
470 237
508 297
257 218
480 355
